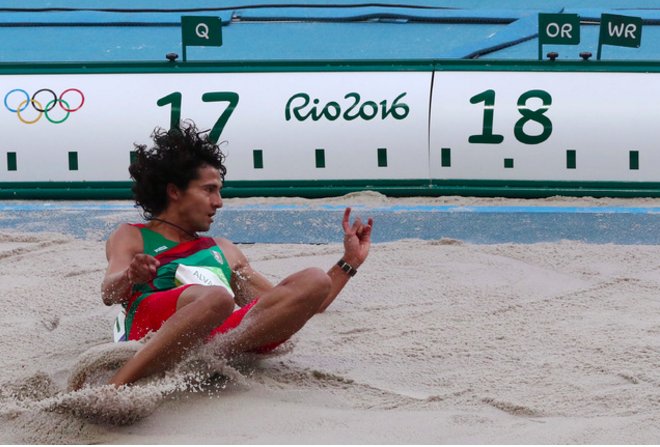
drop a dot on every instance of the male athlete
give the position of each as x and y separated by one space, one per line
182 286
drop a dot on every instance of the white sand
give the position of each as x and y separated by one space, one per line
432 342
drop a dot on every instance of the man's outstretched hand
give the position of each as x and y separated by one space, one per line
357 239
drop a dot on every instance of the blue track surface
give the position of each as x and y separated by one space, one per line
119 30
321 224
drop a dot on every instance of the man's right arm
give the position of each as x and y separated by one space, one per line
127 265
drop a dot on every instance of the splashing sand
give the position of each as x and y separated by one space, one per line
34 398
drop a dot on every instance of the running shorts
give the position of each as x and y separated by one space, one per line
158 307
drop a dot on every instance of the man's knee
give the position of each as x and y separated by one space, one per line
321 280
316 287
214 302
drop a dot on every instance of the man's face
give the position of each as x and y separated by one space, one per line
199 202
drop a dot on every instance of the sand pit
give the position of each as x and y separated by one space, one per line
435 341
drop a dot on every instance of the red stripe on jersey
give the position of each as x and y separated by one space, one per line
185 249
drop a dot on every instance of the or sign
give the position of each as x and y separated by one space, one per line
559 29
622 31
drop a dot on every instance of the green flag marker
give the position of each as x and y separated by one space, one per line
198 31
558 29
621 31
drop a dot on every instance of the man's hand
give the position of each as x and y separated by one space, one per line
117 284
357 239
142 268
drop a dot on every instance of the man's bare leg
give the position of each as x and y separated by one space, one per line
199 310
279 313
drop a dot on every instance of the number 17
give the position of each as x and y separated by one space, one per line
175 99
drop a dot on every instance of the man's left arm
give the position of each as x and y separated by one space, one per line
249 284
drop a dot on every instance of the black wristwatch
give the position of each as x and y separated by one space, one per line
346 267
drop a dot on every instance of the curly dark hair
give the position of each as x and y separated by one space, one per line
177 155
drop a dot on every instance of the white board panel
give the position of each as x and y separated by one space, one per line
572 126
348 115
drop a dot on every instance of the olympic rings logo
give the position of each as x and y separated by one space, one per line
17 100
